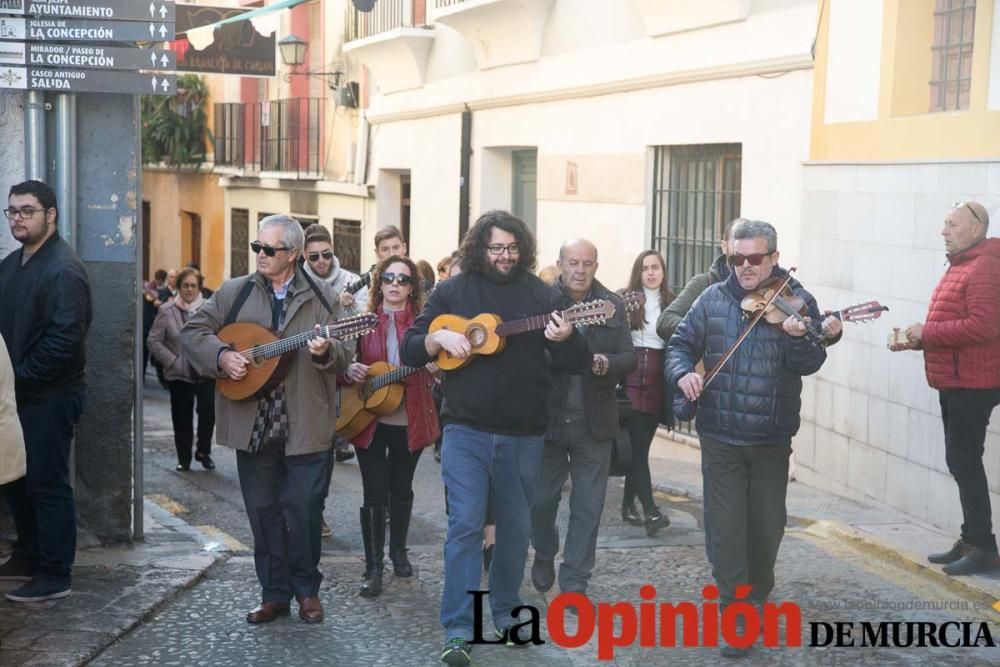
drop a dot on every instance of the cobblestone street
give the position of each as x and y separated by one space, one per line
205 626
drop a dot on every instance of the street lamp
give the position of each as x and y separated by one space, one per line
293 54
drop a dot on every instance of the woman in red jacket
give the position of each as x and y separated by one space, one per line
389 449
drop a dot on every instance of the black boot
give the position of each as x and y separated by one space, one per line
629 514
655 520
373 535
399 526
959 549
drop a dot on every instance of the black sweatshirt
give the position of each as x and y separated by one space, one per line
45 311
504 393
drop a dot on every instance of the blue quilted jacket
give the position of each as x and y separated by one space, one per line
756 397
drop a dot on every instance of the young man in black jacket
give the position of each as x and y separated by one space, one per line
747 416
494 416
46 306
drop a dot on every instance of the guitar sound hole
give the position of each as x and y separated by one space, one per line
476 335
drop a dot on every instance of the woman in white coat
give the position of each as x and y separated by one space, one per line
12 461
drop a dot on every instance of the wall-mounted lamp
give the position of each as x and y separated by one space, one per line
293 54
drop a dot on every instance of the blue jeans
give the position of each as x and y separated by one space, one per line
475 464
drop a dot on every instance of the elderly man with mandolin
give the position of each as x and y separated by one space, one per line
276 406
747 417
494 410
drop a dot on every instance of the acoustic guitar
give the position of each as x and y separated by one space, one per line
379 395
488 332
269 355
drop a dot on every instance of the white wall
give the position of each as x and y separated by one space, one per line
993 95
855 49
686 88
608 138
871 425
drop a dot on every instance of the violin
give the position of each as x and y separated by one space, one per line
778 309
787 304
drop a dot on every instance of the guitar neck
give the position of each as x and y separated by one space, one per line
392 377
533 323
286 345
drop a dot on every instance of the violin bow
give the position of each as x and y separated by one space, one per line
739 341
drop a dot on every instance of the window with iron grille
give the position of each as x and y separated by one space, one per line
347 243
951 78
696 192
239 242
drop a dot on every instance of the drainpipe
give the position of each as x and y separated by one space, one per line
466 167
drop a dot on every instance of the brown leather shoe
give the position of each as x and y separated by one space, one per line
266 612
310 609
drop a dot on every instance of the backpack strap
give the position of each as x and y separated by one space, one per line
319 295
241 298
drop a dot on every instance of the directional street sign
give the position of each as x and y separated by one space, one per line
120 10
85 56
88 81
59 30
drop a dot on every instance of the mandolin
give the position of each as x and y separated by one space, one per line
487 332
269 355
377 396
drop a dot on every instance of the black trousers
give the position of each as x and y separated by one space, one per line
641 428
966 414
387 466
744 489
284 502
184 396
42 502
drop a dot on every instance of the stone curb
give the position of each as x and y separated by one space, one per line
189 583
910 562
869 544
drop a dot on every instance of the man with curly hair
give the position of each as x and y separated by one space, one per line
494 417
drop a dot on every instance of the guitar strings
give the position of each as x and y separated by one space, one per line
283 345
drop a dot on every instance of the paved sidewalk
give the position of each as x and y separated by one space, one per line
114 589
876 529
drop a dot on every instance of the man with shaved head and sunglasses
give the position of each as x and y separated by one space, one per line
748 415
961 344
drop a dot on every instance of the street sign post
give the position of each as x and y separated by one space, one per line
88 81
120 10
71 30
86 56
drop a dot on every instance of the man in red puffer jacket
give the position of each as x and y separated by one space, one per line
961 344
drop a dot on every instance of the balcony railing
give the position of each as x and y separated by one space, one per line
387 15
447 3
283 137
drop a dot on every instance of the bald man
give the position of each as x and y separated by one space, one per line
961 345
583 419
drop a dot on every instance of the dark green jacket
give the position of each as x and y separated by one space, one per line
672 315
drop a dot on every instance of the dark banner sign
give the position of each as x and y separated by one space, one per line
238 48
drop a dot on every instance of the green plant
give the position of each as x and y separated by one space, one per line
175 129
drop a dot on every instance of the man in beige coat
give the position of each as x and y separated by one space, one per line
282 440
12 462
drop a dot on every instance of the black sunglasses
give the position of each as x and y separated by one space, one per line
756 259
326 254
401 278
257 246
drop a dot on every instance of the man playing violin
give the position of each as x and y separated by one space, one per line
282 439
494 415
961 345
749 414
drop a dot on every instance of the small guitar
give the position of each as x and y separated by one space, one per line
377 396
487 332
269 355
